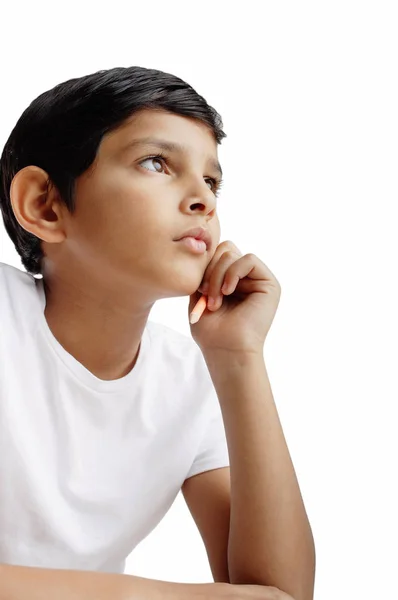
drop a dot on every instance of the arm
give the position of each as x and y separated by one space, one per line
34 583
270 539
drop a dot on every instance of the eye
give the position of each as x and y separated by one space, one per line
216 183
159 158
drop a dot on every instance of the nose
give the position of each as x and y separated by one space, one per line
204 198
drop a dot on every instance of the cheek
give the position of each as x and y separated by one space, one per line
125 216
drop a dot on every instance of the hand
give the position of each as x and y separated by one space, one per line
243 313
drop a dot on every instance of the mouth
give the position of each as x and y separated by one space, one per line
194 245
200 234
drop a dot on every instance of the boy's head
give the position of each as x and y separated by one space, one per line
77 195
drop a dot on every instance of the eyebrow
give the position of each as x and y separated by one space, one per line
171 147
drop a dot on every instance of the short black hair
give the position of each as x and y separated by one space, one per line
61 130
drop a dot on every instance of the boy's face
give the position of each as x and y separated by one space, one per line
130 209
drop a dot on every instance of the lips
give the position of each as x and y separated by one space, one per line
199 233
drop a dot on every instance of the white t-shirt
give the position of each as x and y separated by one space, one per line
88 467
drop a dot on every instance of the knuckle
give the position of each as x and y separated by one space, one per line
225 256
229 244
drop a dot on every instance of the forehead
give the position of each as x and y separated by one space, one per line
164 130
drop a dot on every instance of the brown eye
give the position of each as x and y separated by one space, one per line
216 184
154 158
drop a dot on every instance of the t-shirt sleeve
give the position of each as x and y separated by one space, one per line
213 450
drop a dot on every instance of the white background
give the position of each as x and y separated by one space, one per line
308 96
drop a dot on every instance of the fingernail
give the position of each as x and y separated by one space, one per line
210 301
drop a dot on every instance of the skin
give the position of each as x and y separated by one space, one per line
107 264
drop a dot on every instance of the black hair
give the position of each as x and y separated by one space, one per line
61 130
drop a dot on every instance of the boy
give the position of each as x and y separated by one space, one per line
104 415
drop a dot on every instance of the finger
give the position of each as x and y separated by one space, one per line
217 278
248 269
220 250
250 265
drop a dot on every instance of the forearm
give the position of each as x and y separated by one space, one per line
34 583
270 538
